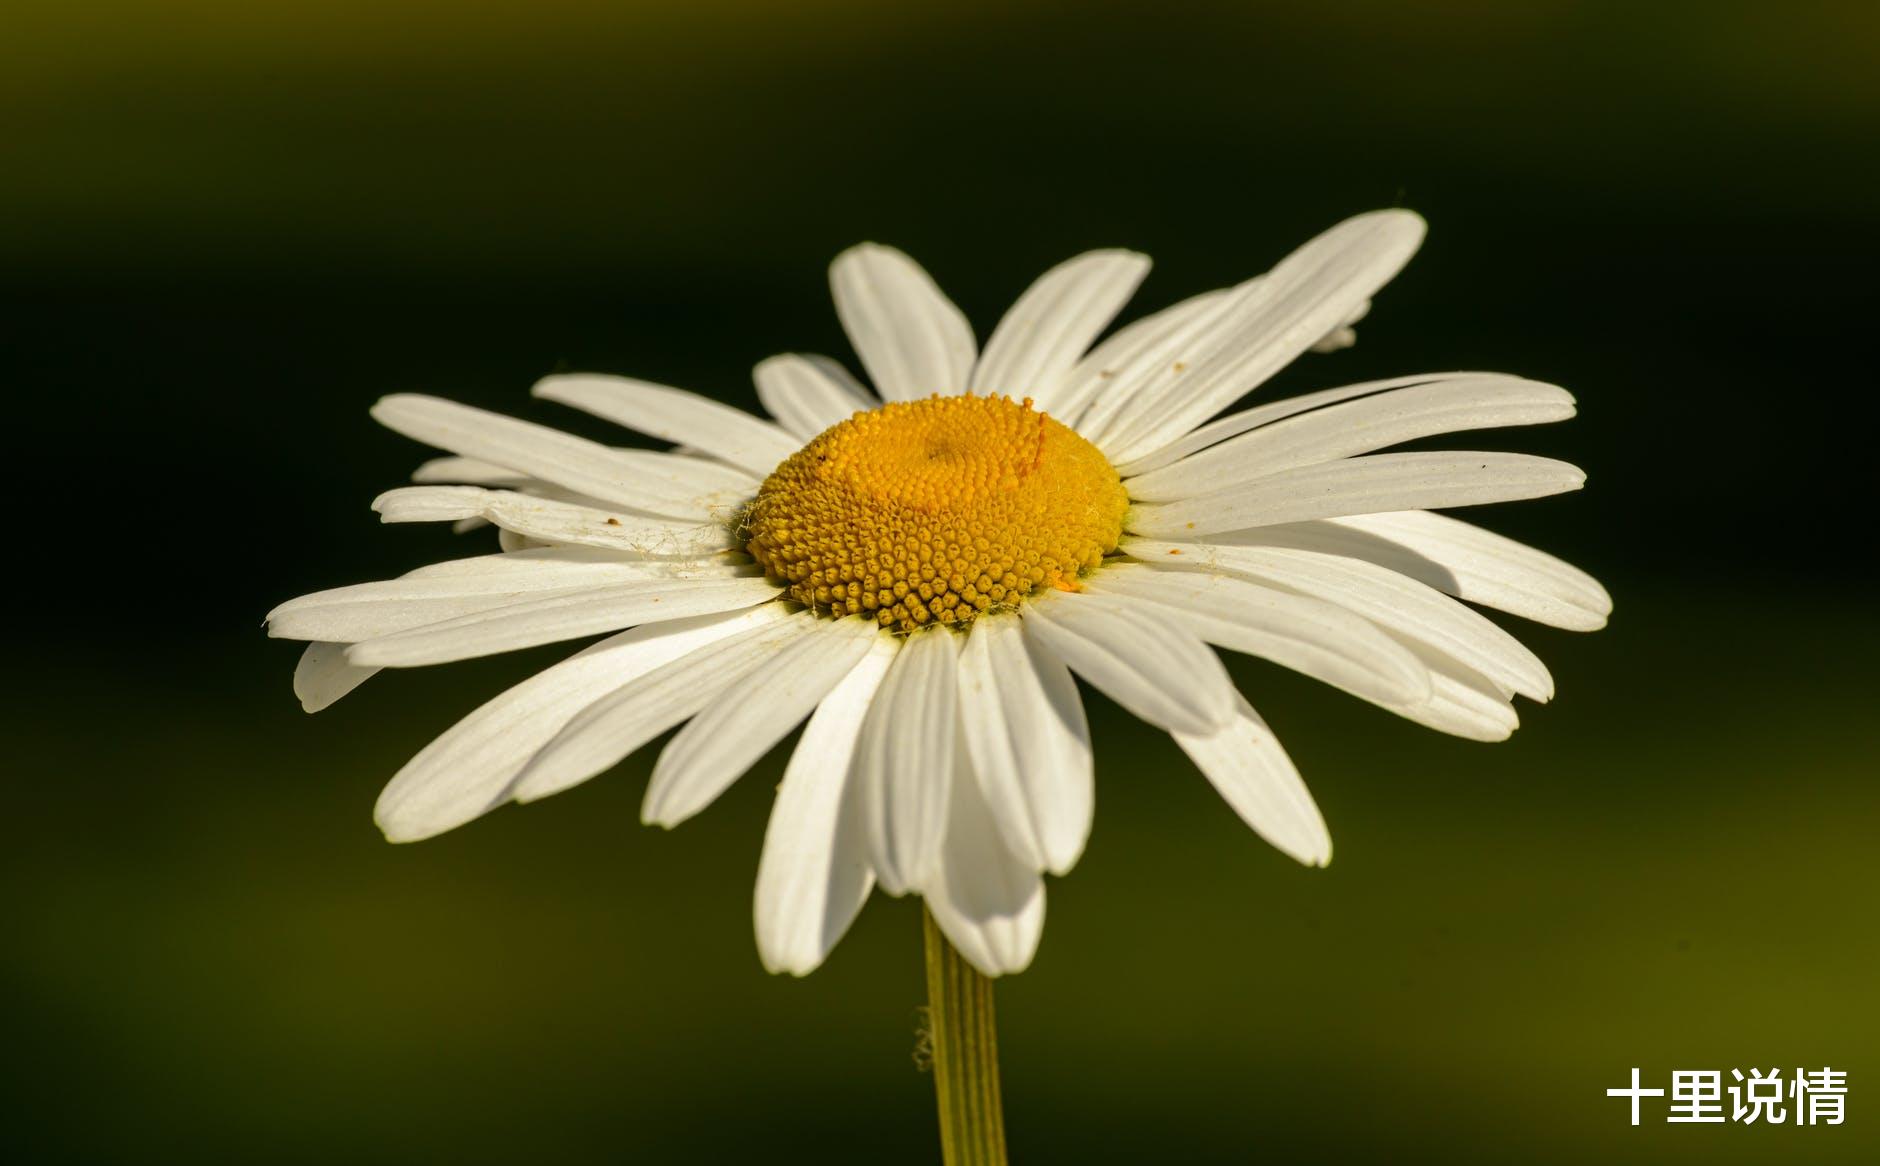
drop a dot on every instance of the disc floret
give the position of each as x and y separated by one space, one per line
932 511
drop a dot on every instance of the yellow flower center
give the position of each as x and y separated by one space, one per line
934 511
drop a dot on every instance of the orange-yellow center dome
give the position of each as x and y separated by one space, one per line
933 511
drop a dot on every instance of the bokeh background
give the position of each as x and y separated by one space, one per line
225 228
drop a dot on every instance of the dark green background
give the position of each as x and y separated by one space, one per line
226 228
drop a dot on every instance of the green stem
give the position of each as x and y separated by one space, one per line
965 1056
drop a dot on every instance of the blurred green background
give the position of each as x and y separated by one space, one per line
226 228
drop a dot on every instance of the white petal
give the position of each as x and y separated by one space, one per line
466 771
467 471
814 874
1103 383
904 760
653 700
1049 327
1222 428
1378 594
808 394
573 463
1370 423
541 569
1024 726
324 675
349 622
1309 294
1339 339
559 617
685 474
1146 662
1307 635
1227 320
1462 702
912 340
750 716
1477 565
1405 677
670 484
508 541
368 610
1253 774
1361 485
552 521
432 503
989 903
1345 335
525 562
674 415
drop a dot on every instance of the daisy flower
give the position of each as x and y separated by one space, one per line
921 566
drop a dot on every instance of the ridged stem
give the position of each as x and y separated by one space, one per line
965 1056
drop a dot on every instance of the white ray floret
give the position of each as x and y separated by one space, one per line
1299 632
1149 664
672 486
467 471
556 618
1039 340
1164 344
324 675
1244 762
814 874
556 522
1486 568
536 451
365 610
1362 485
749 717
648 704
1025 731
808 394
1461 701
1380 596
1311 293
989 902
1233 424
911 338
904 761
675 415
1371 422
535 559
469 769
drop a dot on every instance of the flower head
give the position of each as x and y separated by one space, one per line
921 569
